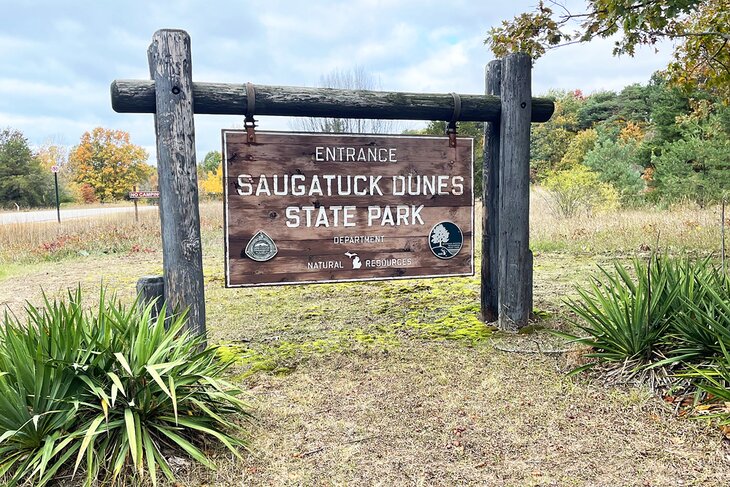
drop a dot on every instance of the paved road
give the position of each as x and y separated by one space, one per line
50 215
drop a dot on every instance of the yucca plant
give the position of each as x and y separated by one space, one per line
109 392
153 390
701 327
38 391
714 380
624 317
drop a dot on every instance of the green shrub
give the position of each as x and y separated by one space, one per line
111 391
714 380
37 392
666 311
700 325
619 164
693 169
578 190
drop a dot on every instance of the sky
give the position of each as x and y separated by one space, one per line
58 58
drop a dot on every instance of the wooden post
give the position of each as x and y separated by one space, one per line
515 270
490 202
149 289
171 70
136 210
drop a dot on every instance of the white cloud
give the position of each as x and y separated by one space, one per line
442 70
68 27
57 59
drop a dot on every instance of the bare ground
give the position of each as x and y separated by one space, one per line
411 408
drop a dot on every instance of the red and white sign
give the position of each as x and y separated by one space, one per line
54 168
135 195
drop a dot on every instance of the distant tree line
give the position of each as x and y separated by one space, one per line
102 168
652 143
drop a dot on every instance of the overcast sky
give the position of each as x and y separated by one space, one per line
57 58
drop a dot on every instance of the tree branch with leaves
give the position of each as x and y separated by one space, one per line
699 28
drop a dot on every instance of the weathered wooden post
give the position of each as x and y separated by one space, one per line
171 70
152 289
490 203
515 269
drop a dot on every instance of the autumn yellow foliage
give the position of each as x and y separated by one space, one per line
210 183
106 161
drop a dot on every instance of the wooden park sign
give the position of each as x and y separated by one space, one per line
507 108
304 208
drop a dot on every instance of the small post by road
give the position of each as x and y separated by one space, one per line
136 211
54 169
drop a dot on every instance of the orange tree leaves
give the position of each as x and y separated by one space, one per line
107 162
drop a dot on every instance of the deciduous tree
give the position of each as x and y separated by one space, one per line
108 162
211 162
349 79
23 181
210 183
700 30
54 154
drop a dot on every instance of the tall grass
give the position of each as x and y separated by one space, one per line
113 233
682 228
679 229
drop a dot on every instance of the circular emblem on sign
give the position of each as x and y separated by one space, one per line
261 248
445 240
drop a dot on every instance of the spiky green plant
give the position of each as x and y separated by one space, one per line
38 391
110 392
624 316
714 380
701 327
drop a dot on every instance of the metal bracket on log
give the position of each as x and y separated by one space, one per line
250 122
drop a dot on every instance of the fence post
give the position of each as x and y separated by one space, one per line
149 289
515 269
171 69
490 202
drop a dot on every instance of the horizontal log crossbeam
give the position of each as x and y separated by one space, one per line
138 96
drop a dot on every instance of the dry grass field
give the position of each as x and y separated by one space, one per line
398 383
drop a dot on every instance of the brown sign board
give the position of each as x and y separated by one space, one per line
306 208
135 195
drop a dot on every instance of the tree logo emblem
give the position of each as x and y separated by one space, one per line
445 240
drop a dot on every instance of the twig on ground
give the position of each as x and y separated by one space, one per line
349 442
360 440
528 351
310 452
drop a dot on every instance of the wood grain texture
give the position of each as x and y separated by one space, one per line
138 96
152 289
385 248
490 203
171 70
515 269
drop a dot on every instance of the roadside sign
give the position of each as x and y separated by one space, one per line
54 168
306 208
135 195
